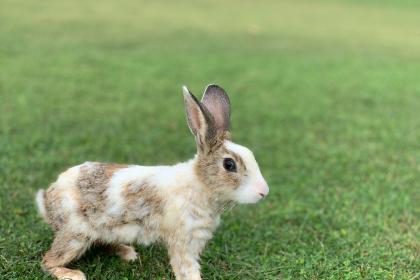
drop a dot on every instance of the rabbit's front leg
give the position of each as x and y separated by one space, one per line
184 261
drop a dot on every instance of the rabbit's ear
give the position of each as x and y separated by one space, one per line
216 100
199 119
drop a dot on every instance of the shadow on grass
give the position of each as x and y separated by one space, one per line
268 247
100 263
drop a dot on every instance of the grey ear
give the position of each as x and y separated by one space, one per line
216 100
199 119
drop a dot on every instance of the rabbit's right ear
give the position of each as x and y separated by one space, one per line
216 100
199 119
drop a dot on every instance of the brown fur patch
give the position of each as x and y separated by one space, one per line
92 183
216 142
65 248
209 169
141 196
52 202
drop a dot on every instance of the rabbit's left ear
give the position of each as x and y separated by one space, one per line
200 121
216 100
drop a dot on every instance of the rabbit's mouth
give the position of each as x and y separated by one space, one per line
251 193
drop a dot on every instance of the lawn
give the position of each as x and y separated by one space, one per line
326 93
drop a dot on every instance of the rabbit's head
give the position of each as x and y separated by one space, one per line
225 168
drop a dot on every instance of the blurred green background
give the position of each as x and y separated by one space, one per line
326 94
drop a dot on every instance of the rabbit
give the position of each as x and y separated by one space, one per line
180 206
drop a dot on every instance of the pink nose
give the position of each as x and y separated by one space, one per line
262 188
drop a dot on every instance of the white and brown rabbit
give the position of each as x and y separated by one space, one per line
178 205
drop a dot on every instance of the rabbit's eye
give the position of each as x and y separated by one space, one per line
229 164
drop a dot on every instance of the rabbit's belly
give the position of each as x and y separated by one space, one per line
128 233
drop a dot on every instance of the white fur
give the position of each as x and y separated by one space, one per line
127 233
250 191
40 201
67 178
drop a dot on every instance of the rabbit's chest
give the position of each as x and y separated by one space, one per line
186 220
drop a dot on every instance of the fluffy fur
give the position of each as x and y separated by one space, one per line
178 205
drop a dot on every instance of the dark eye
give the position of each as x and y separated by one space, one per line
229 164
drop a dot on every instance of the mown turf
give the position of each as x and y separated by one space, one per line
326 93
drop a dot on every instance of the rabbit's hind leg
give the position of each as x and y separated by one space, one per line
65 248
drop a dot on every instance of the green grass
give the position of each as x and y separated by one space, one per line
326 93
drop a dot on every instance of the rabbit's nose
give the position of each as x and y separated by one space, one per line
262 188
